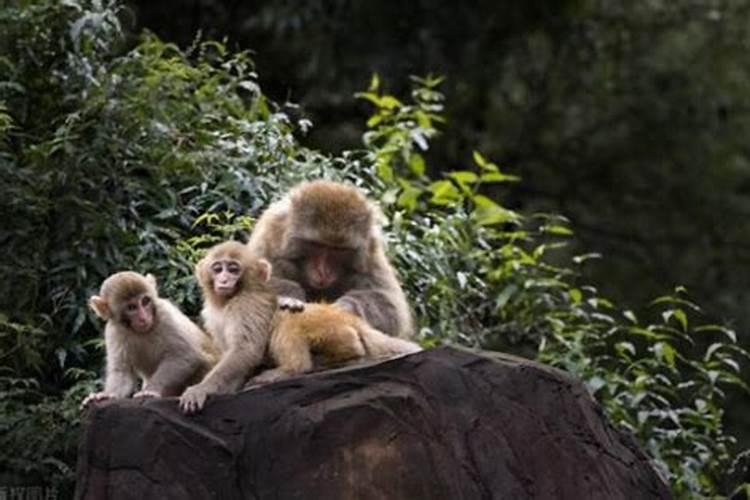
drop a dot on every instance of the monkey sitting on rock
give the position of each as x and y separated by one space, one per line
242 313
148 338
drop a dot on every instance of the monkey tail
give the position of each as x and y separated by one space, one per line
377 344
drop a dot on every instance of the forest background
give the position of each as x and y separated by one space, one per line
578 160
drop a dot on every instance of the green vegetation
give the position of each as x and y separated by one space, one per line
135 154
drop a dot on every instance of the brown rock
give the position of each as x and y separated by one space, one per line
442 424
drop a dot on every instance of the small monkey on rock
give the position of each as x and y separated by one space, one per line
147 337
242 312
238 312
324 242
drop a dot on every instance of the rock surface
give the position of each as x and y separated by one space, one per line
441 424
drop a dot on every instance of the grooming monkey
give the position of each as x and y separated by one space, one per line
241 312
238 312
146 337
324 243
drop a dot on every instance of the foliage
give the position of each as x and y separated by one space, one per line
484 269
121 154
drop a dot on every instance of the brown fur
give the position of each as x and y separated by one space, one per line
336 215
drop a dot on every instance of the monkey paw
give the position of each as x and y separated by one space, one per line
193 399
290 304
147 393
95 397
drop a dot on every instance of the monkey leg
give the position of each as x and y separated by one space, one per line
338 343
290 350
378 344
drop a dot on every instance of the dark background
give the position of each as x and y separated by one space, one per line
630 118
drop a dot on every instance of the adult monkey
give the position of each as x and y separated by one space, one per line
324 242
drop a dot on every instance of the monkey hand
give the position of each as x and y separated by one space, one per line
290 304
193 399
95 397
147 393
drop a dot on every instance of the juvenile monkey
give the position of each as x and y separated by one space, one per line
146 337
324 242
321 335
238 311
324 335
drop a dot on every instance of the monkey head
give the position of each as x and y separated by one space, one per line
229 268
127 298
331 229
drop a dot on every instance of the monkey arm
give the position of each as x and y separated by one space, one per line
228 375
172 375
287 288
121 381
377 308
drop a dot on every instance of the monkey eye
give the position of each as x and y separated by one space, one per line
131 307
233 268
217 267
145 301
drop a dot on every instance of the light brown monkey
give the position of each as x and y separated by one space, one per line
324 335
238 312
147 337
321 335
324 242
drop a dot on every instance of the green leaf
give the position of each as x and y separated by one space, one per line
482 162
417 164
557 230
444 193
464 177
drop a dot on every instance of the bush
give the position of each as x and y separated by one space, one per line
140 155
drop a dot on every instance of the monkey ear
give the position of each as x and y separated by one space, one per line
100 306
264 270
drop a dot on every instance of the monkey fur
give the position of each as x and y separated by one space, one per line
324 242
147 337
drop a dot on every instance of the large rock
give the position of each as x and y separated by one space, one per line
442 424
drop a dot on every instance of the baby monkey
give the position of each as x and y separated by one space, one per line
244 315
147 337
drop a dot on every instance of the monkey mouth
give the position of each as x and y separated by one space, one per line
224 290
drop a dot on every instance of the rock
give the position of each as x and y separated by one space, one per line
441 424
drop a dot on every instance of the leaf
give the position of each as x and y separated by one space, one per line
625 347
464 177
557 230
444 193
505 295
575 295
389 102
374 83
497 177
417 164
630 315
483 163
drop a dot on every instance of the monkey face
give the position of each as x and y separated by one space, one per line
138 313
324 265
225 275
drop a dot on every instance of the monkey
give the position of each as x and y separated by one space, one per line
320 335
146 337
324 242
325 335
238 312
